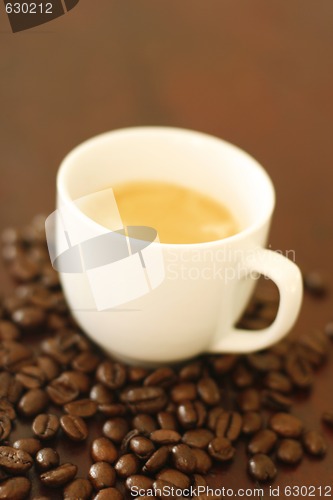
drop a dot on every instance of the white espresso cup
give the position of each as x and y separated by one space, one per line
195 302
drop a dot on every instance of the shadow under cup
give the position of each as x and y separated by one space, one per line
183 313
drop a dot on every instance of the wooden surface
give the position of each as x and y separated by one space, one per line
258 73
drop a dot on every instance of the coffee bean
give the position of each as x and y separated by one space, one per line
81 408
289 451
7 409
262 442
167 420
125 444
275 400
60 353
74 427
229 425
264 362
49 367
163 377
329 330
213 416
183 458
249 400
101 394
191 372
16 488
8 331
165 436
277 381
286 425
24 269
30 445
314 443
164 489
146 399
221 449
315 284
78 379
298 369
186 391
175 477
127 465
157 460
15 461
242 377
199 438
199 480
116 429
136 374
209 391
144 423
109 494
191 414
29 317
86 362
59 476
327 418
45 426
62 390
14 355
139 482
112 410
224 364
79 488
5 427
252 422
102 475
31 377
203 462
113 375
103 450
33 402
46 459
142 446
10 388
262 468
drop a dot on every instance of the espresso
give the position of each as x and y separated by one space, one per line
179 214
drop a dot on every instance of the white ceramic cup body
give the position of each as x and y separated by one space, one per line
207 285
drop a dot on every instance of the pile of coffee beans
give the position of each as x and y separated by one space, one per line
137 429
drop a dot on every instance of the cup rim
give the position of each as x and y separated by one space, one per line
63 194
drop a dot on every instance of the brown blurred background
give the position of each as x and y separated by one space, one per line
258 73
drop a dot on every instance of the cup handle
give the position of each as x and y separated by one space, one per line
287 276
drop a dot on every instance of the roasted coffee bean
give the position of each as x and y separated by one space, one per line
187 391
116 429
242 376
10 388
15 461
199 438
5 427
124 447
229 425
81 408
213 416
275 400
224 364
298 369
286 425
79 488
112 409
144 423
103 450
50 278
102 475
53 348
167 420
62 390
24 269
55 322
249 400
127 465
316 344
30 445
165 436
136 374
46 459
33 402
191 372
164 489
31 377
315 284
59 476
157 460
85 362
327 418
8 331
139 482
74 427
111 374
16 488
146 399
289 451
79 379
49 367
262 468
314 443
183 458
277 381
251 422
163 377
175 477
209 391
221 449
14 355
101 394
329 330
264 362
29 317
109 494
262 442
11 235
45 425
142 446
191 414
7 409
203 462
